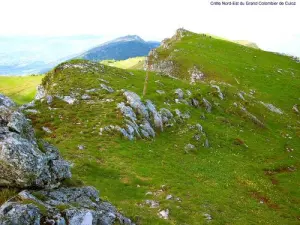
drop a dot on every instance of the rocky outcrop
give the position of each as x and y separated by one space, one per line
141 120
73 206
26 161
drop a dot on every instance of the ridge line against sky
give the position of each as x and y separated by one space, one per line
273 28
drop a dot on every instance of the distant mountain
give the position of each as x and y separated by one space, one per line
22 55
121 48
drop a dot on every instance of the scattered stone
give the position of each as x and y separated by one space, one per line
92 90
207 105
104 81
81 147
85 97
220 94
195 102
207 216
160 92
40 92
169 197
252 117
179 93
189 147
241 95
295 108
164 214
272 108
69 100
107 88
47 130
152 204
49 99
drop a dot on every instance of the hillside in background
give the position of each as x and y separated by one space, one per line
136 63
21 89
214 140
120 49
25 55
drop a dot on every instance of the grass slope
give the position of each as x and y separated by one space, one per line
136 63
275 78
21 89
248 175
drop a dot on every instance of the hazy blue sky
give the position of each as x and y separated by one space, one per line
274 28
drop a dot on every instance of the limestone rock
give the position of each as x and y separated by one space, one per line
70 100
179 93
272 108
207 105
195 75
157 119
24 163
41 92
135 102
295 109
80 206
220 94
107 88
5 101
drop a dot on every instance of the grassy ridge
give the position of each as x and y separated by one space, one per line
21 89
275 78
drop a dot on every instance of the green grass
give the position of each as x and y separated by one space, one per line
242 178
228 180
21 89
136 63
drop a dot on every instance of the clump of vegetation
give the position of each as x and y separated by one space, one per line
7 193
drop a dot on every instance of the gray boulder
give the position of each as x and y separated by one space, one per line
207 105
14 213
179 93
220 94
107 88
24 163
